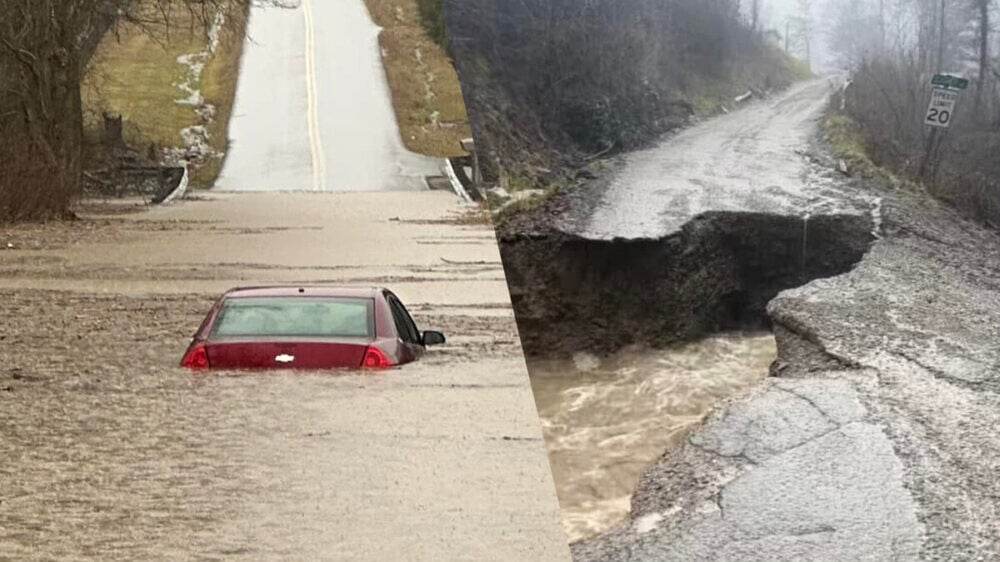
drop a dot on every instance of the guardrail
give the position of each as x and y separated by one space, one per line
161 184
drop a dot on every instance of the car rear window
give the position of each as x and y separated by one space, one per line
296 316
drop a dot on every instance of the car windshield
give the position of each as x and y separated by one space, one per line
296 316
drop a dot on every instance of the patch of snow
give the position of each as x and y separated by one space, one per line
196 138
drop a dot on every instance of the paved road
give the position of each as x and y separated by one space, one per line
112 453
313 109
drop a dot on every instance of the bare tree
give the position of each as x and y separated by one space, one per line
942 24
798 31
890 92
45 46
881 26
853 32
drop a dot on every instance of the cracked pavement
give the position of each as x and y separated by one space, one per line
874 438
796 472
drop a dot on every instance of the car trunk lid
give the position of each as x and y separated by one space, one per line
276 354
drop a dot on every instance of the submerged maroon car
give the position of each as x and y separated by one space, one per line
307 328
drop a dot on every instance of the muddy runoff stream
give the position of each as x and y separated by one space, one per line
606 419
631 343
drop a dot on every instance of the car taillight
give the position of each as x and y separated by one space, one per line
196 358
375 359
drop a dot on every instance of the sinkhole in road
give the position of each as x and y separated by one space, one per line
631 343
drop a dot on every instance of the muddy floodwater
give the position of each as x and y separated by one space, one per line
606 419
109 451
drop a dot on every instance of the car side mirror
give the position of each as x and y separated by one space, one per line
431 337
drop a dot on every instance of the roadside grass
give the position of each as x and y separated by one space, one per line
135 73
505 209
800 69
218 85
426 93
847 142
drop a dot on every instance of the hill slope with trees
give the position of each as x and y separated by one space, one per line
552 83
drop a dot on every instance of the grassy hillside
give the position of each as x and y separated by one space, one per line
137 74
425 89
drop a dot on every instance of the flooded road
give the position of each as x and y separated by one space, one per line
154 464
606 420
111 452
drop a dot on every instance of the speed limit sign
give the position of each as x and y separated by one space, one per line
942 108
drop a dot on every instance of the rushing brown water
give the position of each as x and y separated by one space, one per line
606 420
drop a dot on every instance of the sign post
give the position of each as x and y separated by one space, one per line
940 112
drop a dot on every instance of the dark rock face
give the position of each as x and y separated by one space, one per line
717 273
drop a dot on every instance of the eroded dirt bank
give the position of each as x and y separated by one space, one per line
717 273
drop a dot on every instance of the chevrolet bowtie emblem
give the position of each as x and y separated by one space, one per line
284 358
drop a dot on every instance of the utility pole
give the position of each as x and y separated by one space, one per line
930 161
984 50
806 33
881 23
942 21
933 144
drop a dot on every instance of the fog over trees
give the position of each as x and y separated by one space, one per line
892 49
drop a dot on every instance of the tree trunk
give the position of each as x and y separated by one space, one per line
942 20
881 29
984 51
41 145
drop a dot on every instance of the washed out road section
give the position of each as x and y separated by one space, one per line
113 453
313 110
873 438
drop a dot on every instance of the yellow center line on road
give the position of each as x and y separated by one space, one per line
315 140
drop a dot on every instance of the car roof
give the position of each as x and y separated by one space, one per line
305 291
